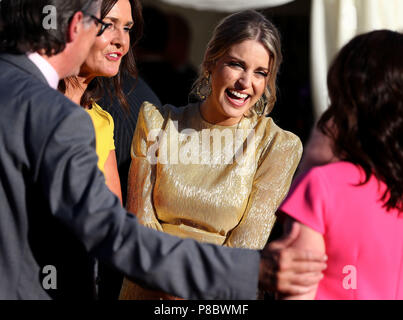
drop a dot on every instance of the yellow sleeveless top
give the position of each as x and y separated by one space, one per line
104 126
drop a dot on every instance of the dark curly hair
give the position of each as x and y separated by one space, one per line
97 87
365 117
21 24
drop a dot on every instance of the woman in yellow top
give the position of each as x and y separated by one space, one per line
111 52
217 170
105 145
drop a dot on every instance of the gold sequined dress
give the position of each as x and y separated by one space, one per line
216 184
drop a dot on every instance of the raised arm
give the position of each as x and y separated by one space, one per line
78 197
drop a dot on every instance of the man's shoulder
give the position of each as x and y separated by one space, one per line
24 89
25 100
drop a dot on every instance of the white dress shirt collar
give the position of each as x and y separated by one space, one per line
46 68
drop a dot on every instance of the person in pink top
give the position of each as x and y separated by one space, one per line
352 208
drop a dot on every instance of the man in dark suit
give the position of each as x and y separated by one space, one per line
53 198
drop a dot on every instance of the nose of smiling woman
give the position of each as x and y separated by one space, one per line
245 80
120 38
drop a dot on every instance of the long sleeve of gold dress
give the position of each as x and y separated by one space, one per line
212 183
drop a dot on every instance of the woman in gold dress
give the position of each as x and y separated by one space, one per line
216 170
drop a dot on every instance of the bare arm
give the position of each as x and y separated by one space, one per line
287 270
112 175
307 239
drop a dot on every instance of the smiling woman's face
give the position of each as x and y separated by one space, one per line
238 80
106 54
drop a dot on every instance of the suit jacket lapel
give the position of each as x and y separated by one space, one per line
21 61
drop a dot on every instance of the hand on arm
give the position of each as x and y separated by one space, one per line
288 269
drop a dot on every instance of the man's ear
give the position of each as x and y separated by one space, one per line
75 26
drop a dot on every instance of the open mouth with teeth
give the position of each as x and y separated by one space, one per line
236 98
113 56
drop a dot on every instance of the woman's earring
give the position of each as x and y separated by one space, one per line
204 87
260 105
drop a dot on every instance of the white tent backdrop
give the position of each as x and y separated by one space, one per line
334 23
226 5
